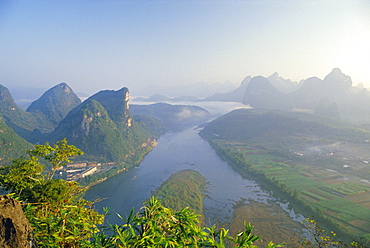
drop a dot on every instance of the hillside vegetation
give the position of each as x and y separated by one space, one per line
319 164
11 144
42 116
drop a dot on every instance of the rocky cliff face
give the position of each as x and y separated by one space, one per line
102 129
15 230
116 104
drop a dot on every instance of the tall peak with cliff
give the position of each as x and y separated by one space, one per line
102 127
116 104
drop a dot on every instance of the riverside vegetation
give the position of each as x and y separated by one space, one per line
320 165
60 216
183 189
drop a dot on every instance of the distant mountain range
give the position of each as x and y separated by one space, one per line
173 117
334 96
102 126
107 128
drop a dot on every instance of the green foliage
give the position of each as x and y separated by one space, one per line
155 127
183 189
322 238
62 222
57 155
158 226
55 208
22 175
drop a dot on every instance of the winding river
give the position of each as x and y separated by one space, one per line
175 152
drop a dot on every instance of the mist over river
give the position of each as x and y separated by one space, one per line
176 152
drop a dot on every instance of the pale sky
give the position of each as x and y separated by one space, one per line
107 44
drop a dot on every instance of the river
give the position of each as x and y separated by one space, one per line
176 152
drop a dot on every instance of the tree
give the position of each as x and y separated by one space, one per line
57 155
60 216
55 208
322 238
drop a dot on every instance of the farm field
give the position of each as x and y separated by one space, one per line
341 191
321 165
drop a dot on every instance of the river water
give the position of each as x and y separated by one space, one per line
175 152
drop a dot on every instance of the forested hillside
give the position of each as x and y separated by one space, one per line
11 144
42 116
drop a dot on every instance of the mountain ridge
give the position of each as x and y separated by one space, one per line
55 103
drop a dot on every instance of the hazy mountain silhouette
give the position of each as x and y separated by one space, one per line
261 94
236 95
283 85
336 86
352 103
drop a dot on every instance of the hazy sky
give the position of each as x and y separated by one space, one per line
107 44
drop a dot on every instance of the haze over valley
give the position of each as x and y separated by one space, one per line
280 132
237 111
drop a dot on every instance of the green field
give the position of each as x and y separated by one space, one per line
318 187
321 166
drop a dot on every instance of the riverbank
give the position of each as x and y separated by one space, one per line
268 220
183 189
247 167
175 152
132 161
